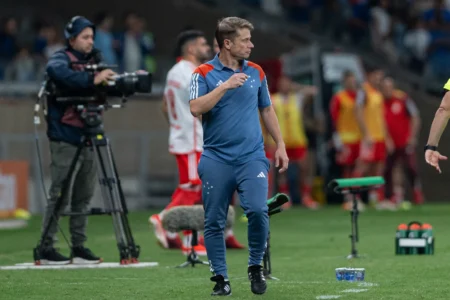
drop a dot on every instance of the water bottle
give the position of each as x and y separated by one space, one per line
414 233
427 234
402 232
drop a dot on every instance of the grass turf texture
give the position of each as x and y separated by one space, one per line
306 248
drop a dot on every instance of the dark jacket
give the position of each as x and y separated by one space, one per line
63 121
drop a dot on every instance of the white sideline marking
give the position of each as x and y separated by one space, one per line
355 291
32 266
328 297
368 284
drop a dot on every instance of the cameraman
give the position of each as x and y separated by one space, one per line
65 131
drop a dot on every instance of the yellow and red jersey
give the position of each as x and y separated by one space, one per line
373 103
289 111
343 116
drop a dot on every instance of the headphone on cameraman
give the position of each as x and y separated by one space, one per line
71 30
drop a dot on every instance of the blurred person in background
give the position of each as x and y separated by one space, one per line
315 125
437 22
346 132
416 42
23 68
403 124
8 42
186 136
134 45
381 27
289 103
376 142
358 21
47 41
104 39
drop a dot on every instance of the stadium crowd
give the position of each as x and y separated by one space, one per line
412 33
26 45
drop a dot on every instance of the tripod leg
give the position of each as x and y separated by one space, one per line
354 235
192 258
64 192
108 186
133 248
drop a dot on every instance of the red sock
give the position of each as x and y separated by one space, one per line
380 193
284 188
306 189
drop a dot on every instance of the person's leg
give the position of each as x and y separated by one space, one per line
252 187
61 155
252 191
388 174
187 193
378 196
83 190
305 160
218 186
398 191
231 241
413 175
188 180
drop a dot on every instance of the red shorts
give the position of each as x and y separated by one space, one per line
294 154
187 168
189 190
269 153
297 153
375 153
348 155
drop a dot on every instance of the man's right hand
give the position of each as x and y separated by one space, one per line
236 81
104 76
433 157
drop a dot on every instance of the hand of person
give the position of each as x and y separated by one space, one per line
281 158
433 157
342 153
390 147
235 81
367 140
412 142
310 90
104 76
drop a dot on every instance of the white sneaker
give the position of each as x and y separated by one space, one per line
160 233
386 205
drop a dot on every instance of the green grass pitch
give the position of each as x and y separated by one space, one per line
306 248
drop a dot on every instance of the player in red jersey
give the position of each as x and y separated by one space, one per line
403 124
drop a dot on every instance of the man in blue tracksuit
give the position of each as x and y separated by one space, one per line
65 130
227 94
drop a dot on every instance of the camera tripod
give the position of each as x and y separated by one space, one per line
110 186
192 258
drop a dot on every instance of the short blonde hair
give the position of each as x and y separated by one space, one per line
227 28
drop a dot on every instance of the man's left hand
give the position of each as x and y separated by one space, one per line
281 158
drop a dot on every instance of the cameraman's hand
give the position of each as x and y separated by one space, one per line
104 76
